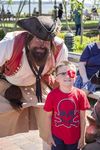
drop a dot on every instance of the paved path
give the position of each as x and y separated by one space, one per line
23 141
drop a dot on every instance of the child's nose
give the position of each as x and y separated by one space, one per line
67 76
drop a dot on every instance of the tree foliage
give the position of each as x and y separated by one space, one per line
9 1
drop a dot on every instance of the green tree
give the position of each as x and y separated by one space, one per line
65 8
9 2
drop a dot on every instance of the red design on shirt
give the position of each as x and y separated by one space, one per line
66 113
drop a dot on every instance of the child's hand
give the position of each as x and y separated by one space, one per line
81 143
50 141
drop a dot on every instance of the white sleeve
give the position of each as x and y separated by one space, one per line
62 56
6 49
82 71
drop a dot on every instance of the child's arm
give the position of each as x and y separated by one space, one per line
48 119
81 142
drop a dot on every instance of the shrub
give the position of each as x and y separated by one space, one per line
2 34
78 47
92 33
62 35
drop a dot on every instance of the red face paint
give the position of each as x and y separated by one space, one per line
71 73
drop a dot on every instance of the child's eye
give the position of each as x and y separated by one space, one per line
63 73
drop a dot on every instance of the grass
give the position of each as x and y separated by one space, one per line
87 24
77 46
7 24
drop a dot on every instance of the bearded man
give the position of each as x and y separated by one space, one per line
27 60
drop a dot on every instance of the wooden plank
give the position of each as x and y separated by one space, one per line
95 95
74 58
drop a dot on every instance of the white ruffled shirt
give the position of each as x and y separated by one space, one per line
25 76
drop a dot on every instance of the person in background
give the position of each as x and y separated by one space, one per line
65 111
34 11
60 11
94 13
77 20
27 60
89 64
9 14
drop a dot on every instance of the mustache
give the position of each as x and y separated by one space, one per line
39 54
38 50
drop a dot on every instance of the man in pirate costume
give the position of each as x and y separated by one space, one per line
27 60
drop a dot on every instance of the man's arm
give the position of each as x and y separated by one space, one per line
82 71
6 49
82 129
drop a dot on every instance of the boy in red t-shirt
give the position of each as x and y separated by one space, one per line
65 108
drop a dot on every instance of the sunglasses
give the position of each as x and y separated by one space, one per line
70 73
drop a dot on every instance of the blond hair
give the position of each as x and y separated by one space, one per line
66 63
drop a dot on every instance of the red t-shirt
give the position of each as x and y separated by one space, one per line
66 113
